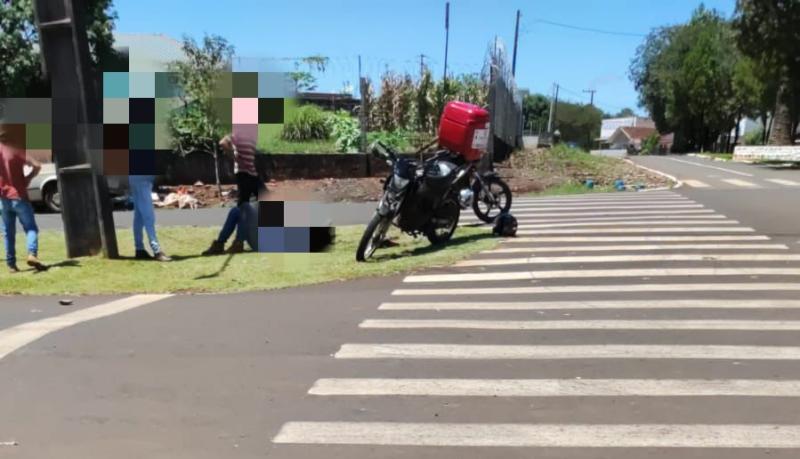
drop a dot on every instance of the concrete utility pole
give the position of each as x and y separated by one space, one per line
591 99
553 109
422 64
446 37
516 40
77 138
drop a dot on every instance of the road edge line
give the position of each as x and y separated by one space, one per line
677 183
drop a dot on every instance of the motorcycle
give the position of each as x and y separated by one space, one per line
418 198
487 194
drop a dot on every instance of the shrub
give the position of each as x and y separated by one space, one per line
754 138
308 122
345 130
399 140
650 144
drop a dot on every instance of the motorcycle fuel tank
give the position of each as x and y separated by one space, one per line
464 129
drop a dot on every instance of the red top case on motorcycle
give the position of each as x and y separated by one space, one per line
464 129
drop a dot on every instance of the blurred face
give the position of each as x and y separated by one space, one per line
12 134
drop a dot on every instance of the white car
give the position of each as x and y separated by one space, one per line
43 189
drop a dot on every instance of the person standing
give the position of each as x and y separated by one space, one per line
144 218
14 202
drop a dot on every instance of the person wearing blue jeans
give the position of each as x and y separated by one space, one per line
14 202
13 209
238 220
144 218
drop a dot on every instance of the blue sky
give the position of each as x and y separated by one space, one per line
394 33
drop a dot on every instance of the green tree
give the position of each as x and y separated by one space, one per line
535 111
769 32
304 80
578 123
20 71
624 113
202 120
685 78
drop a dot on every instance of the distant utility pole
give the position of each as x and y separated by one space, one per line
446 37
516 40
422 64
553 108
591 99
359 75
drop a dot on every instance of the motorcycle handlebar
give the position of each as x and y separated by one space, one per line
382 151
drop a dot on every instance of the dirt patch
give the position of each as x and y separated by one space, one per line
536 170
527 171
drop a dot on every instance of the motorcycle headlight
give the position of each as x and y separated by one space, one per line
399 182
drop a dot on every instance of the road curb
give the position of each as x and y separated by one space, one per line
677 183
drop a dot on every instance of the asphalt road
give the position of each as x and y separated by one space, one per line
655 325
340 214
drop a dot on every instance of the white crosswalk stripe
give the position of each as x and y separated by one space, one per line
696 183
741 183
593 273
603 288
627 223
662 298
593 304
784 182
636 248
595 239
541 435
556 387
750 257
770 325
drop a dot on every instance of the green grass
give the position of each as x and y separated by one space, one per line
190 272
270 141
722 156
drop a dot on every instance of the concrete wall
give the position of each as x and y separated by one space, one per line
183 170
766 153
614 153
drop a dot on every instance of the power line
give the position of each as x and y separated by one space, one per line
588 29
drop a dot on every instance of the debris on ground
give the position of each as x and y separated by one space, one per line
532 170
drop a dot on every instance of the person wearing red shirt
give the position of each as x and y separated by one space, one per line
14 202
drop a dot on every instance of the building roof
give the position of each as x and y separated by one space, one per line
637 133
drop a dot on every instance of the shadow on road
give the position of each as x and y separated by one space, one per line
456 241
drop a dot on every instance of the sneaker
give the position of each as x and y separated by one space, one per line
34 263
12 269
143 255
161 256
217 248
236 247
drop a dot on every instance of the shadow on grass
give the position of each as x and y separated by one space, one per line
428 249
60 264
219 271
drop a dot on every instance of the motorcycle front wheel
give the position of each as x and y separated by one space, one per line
373 236
491 199
444 223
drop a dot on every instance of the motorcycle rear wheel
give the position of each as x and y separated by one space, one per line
373 236
444 223
487 207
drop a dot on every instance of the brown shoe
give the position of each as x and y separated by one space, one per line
34 263
161 256
236 247
217 248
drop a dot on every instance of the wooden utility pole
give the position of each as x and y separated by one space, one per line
363 113
446 38
553 109
77 138
516 40
591 98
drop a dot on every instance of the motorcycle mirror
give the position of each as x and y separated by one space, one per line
388 162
